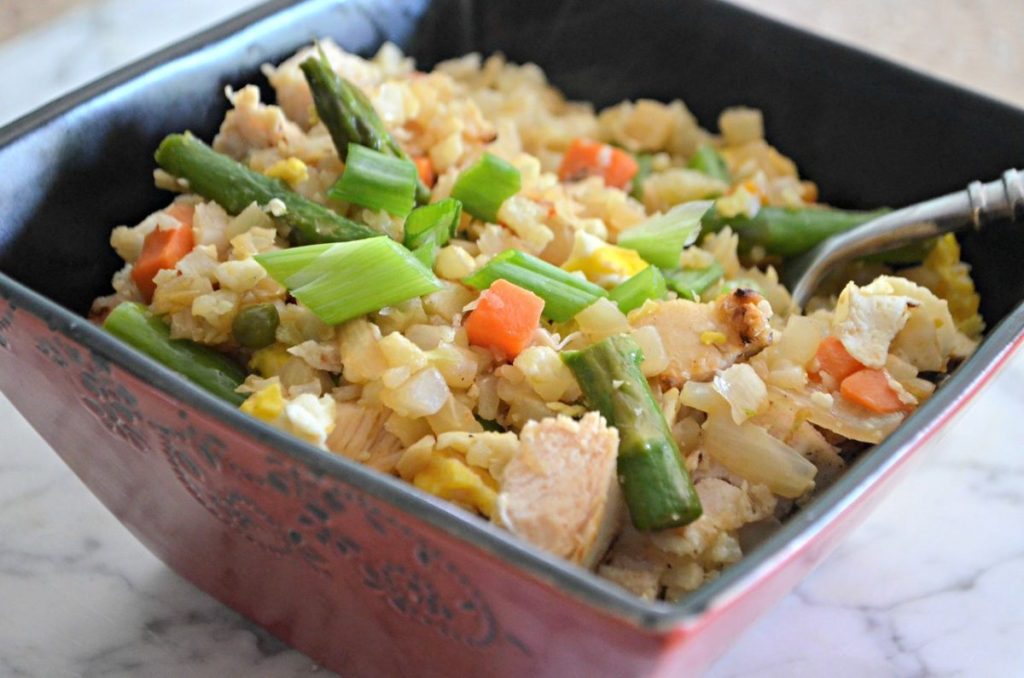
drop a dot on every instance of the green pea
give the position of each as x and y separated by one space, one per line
255 326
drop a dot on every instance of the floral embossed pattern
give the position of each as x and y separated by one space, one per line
6 323
286 508
290 511
109 401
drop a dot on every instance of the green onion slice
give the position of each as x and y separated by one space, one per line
485 185
632 293
644 167
436 222
690 283
661 239
376 181
708 161
564 294
341 281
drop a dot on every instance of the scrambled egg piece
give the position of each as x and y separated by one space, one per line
944 274
451 479
867 320
266 404
603 264
270 360
306 416
290 170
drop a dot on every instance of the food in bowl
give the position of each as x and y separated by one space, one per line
565 322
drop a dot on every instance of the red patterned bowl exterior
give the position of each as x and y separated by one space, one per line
360 585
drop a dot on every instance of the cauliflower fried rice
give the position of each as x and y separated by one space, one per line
763 404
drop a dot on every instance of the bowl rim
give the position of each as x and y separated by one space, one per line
798 531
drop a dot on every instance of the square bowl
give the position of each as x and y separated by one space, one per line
362 572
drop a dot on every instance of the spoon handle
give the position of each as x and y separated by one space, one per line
1002 199
980 204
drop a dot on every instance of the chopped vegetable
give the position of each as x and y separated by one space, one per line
707 161
345 280
656 486
661 239
234 187
949 278
647 284
255 326
349 116
564 294
425 170
603 264
835 361
644 167
485 185
377 181
870 388
752 453
213 371
787 231
587 158
505 318
163 249
431 226
690 283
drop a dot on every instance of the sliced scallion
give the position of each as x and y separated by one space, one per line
708 161
661 239
376 181
644 167
346 280
430 227
564 294
484 186
632 293
690 283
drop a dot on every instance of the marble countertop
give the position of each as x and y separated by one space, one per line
930 585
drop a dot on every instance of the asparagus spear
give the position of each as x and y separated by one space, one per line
787 232
213 371
350 117
657 488
234 187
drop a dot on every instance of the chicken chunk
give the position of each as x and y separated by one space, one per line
359 434
560 491
251 125
701 339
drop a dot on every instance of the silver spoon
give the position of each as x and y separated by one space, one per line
980 204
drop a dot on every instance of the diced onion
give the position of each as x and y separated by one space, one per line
752 453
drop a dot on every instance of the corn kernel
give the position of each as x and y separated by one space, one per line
711 337
290 170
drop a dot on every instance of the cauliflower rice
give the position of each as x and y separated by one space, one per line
737 373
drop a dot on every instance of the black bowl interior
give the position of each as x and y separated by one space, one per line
870 133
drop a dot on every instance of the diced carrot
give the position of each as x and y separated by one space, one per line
182 211
426 170
588 158
163 249
504 318
835 360
870 389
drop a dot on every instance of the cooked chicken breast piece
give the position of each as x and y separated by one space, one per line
359 434
701 339
560 491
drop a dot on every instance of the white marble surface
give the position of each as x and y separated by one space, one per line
932 584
